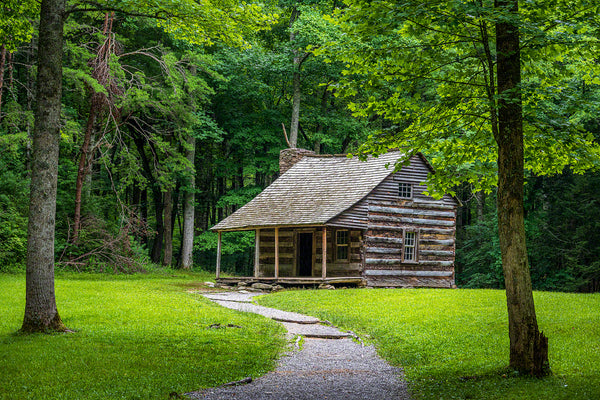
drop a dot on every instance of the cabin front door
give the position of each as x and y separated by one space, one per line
305 253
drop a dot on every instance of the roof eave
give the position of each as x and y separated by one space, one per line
255 227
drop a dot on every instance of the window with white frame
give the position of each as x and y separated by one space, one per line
341 243
404 190
409 253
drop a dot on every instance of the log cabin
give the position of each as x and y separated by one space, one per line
342 221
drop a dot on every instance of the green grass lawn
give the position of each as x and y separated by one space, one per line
137 337
453 344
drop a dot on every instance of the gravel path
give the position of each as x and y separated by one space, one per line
330 365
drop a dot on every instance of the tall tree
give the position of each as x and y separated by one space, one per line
528 346
41 313
445 78
195 22
299 57
187 245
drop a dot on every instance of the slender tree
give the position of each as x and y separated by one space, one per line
98 103
168 233
187 245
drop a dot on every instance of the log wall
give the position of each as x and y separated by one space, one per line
389 217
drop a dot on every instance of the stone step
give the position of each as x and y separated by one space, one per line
277 315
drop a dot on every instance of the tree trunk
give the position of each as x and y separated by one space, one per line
2 64
41 313
82 170
297 93
296 90
220 194
480 197
144 214
97 103
157 245
187 240
11 67
168 203
528 346
155 253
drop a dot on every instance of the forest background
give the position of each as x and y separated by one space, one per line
149 120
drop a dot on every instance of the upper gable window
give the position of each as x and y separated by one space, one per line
405 190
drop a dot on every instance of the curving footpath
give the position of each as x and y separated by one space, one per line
329 366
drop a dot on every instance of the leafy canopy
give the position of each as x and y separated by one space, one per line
429 73
197 22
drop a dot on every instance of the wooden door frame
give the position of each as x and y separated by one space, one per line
296 244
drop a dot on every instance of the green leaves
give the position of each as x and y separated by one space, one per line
15 22
201 23
428 70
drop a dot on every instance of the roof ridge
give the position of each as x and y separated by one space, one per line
327 155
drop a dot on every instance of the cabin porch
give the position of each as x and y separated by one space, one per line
304 255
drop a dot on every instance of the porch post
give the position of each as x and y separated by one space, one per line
218 254
324 269
256 252
276 252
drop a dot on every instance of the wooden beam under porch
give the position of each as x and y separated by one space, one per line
294 281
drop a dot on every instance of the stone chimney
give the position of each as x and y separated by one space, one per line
289 157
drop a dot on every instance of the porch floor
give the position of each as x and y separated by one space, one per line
294 280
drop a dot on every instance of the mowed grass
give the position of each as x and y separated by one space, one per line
453 344
136 337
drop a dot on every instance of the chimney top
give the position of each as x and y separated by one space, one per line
289 157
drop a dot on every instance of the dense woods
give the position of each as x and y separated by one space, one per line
161 135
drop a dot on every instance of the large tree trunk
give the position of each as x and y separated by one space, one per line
528 346
187 240
41 313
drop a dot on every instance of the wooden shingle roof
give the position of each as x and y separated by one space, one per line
312 192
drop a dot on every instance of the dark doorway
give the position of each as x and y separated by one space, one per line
305 254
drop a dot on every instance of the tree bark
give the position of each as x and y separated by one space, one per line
187 245
41 313
528 346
